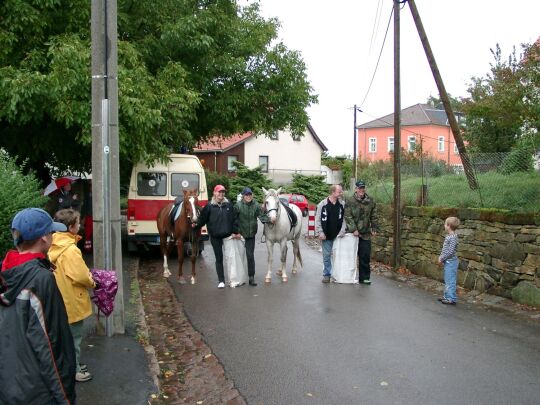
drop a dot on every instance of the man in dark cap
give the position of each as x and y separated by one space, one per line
36 345
247 211
361 219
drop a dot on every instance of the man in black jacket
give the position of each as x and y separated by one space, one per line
220 218
36 346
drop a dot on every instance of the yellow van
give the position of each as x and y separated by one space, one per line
152 187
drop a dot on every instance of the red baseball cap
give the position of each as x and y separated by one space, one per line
218 188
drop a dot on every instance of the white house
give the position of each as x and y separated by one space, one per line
280 154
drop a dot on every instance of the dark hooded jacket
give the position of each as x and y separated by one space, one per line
220 219
37 356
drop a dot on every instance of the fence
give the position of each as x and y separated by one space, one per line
506 181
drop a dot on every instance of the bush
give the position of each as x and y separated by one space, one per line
313 187
18 191
520 159
252 178
213 179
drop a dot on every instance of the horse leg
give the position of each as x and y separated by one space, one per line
269 248
180 248
194 253
296 254
163 243
283 270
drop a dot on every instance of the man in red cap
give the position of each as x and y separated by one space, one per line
220 218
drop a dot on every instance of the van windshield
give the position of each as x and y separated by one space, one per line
151 184
184 181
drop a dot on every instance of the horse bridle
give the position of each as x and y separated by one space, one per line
272 209
191 210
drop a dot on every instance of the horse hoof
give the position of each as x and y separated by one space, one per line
193 281
285 279
294 271
166 273
267 280
181 280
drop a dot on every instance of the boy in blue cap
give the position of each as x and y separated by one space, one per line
35 339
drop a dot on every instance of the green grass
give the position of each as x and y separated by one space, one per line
517 191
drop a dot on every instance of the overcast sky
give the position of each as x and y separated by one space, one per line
340 47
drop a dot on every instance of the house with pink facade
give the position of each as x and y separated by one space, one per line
421 125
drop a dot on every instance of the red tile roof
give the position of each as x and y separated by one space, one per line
220 144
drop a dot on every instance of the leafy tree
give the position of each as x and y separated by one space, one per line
505 103
18 191
188 70
252 178
313 187
436 102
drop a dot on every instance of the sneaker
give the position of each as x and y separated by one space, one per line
326 279
83 368
441 299
368 282
447 302
221 285
252 282
83 376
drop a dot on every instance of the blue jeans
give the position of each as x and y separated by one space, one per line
450 279
327 257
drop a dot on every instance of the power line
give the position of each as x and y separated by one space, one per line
376 22
378 60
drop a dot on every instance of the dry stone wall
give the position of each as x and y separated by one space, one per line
499 252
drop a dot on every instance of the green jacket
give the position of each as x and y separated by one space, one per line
361 215
247 215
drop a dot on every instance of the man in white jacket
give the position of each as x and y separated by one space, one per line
329 224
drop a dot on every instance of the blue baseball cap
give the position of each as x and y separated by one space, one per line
246 190
360 184
33 223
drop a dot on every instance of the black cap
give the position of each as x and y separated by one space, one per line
360 184
246 191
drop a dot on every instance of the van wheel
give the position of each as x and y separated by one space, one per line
305 213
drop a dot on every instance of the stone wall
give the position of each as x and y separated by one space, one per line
499 251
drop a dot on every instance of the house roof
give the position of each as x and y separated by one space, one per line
220 144
419 114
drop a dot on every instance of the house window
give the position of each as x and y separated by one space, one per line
411 143
440 147
372 145
390 144
263 162
456 151
230 160
274 136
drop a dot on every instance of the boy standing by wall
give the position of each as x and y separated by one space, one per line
449 260
73 279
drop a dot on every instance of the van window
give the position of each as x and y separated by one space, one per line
184 181
151 184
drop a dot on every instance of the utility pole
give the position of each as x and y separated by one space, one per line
105 151
467 166
396 260
355 148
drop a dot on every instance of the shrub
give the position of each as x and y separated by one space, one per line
313 187
213 179
18 191
520 159
246 177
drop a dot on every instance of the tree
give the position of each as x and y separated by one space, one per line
188 70
436 102
505 104
252 178
313 187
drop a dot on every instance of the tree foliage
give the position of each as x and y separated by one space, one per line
188 70
505 104
18 191
252 178
313 187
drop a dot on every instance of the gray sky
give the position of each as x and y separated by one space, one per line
335 40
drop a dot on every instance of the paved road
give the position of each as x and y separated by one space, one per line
309 343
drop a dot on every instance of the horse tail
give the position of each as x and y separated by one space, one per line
300 256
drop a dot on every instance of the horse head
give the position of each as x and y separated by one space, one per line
191 203
271 203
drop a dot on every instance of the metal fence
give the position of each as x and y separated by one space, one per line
505 181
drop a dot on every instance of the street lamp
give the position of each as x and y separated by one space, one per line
354 138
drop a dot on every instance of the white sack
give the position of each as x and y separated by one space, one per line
344 255
235 261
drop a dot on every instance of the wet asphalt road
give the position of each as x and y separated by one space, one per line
305 342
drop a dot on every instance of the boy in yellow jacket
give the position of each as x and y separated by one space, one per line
73 279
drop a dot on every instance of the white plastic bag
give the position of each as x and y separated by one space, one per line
344 255
235 261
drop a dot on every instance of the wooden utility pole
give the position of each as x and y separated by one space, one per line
396 260
467 166
105 151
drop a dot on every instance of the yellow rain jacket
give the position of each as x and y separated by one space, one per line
72 275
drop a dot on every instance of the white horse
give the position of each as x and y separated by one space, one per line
279 230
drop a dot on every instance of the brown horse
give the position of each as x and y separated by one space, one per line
181 232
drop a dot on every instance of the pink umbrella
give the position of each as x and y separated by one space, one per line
59 182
